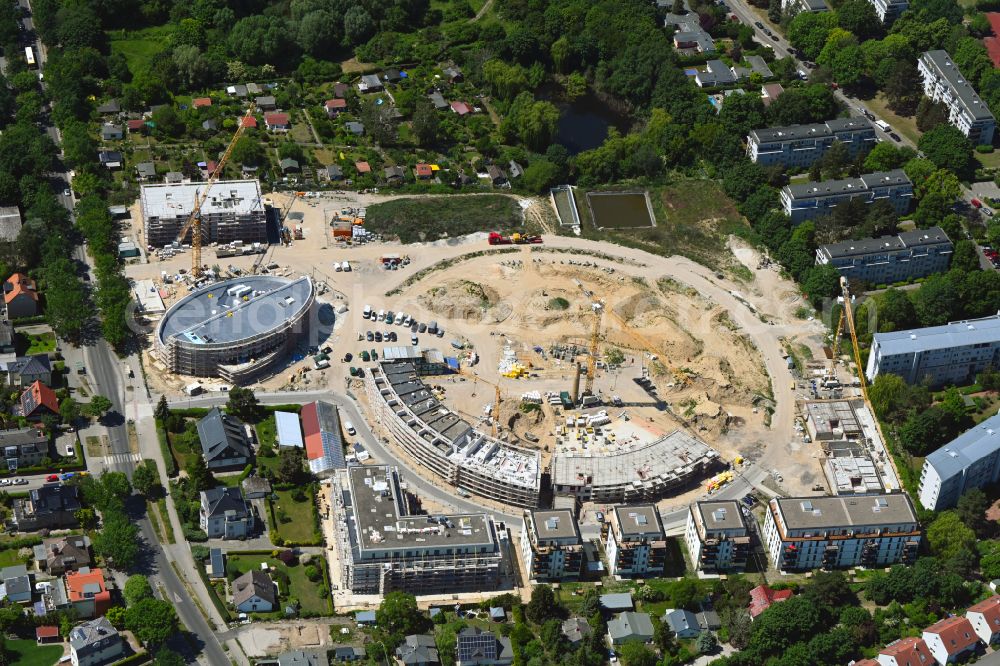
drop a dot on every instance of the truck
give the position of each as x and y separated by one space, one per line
496 238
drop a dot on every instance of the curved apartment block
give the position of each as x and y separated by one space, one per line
446 444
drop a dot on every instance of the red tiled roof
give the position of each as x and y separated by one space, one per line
39 395
909 650
199 102
249 122
866 662
20 284
424 169
275 119
46 632
135 124
78 581
311 430
993 43
336 103
956 634
761 598
363 167
461 108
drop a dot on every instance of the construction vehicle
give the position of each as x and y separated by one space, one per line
496 238
193 223
494 412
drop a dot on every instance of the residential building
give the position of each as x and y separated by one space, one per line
95 643
87 591
636 545
909 255
763 597
418 650
805 533
551 547
576 630
811 200
951 639
224 514
110 132
943 82
62 554
266 103
770 92
110 159
23 447
36 401
985 619
630 627
335 106
301 658
688 35
475 647
289 165
20 295
348 653
370 83
716 73
26 370
889 10
682 622
10 223
50 506
447 445
278 122
798 146
759 66
909 651
254 592
953 353
224 441
616 602
145 171
233 210
796 6
385 548
717 536
15 584
323 441
971 460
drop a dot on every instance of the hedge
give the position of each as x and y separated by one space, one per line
23 542
168 456
61 466
137 658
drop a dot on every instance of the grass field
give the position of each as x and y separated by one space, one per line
267 431
27 653
905 125
300 587
40 343
139 46
988 160
9 557
299 526
431 218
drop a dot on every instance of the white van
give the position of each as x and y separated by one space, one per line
367 314
381 315
349 427
884 126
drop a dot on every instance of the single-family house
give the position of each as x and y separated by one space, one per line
335 106
576 630
985 619
394 175
497 177
716 73
109 108
110 159
135 125
682 622
62 554
266 103
759 66
224 514
201 102
23 447
277 122
370 83
36 401
51 506
224 440
15 584
362 167
438 100
355 128
254 592
145 170
418 650
20 295
761 598
770 92
951 639
110 132
26 370
461 108
630 627
88 592
909 651
475 647
95 643
289 165
301 658
423 171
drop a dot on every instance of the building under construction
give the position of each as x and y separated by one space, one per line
232 211
383 548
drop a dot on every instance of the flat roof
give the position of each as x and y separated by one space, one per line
639 520
288 428
946 336
169 200
381 523
148 297
234 310
721 515
799 513
848 185
853 474
814 131
676 454
828 415
554 524
963 90
971 446
866 246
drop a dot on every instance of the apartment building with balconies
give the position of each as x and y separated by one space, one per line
943 82
811 200
798 146
717 536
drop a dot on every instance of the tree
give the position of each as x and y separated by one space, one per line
116 616
706 643
152 621
136 589
69 411
926 430
199 474
947 148
86 517
165 657
543 605
971 510
319 33
117 540
243 404
260 39
167 122
358 25
162 410
398 616
822 282
533 122
887 394
145 478
637 654
114 486
948 536
291 463
935 302
378 122
540 175
902 87
965 257
930 114
426 122
808 31
784 624
684 593
249 151
98 406
886 157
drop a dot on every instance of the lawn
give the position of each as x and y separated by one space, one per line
306 591
988 160
294 521
182 449
9 557
40 343
140 46
28 653
905 125
428 219
267 432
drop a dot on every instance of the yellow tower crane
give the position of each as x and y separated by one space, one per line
849 312
495 409
193 223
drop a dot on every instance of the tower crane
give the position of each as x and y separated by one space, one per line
193 223
495 409
849 315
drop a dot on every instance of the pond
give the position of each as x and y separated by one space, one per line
621 210
585 122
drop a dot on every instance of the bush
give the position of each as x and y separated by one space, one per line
192 534
200 553
984 148
313 573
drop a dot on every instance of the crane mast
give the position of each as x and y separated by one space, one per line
193 223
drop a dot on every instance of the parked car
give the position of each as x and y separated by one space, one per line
347 357
370 336
52 477
378 336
